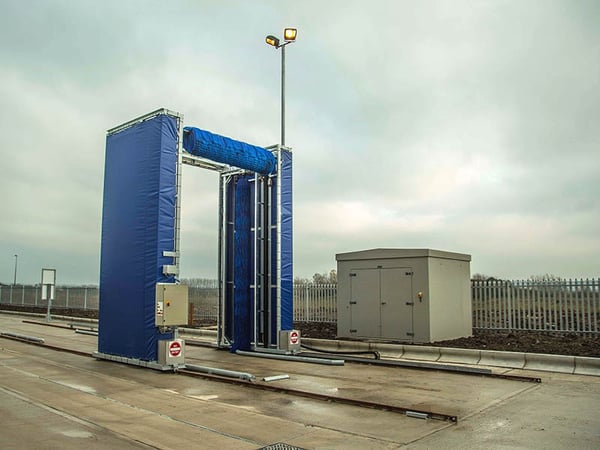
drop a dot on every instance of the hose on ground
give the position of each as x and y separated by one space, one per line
375 353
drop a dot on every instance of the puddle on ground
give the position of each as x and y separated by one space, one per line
77 434
79 387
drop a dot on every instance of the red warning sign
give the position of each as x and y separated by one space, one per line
174 348
294 337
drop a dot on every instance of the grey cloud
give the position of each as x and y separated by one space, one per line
466 126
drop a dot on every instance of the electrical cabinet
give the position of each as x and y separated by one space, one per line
408 295
171 304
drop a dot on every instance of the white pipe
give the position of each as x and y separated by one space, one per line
327 362
23 337
178 175
222 255
278 231
221 372
276 378
91 333
256 277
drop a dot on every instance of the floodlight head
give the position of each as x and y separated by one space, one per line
289 34
272 40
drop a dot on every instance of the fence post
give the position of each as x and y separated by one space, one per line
588 321
11 292
67 297
596 302
508 293
306 302
85 289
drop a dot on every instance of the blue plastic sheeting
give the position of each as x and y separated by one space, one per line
287 244
137 226
228 151
286 228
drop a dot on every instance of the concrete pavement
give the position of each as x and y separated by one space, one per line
51 399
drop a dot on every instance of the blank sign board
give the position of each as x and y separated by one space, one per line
48 276
48 282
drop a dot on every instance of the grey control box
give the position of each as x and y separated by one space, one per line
171 304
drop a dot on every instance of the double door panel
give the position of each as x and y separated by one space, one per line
381 303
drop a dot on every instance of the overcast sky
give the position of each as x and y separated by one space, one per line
467 126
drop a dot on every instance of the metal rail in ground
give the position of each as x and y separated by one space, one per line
68 326
44 345
409 412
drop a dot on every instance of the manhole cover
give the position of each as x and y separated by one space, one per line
280 446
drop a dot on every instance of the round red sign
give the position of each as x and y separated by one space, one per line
175 348
294 337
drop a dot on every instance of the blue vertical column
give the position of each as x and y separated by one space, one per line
287 241
138 225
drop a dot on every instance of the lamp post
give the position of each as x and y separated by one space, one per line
289 36
15 278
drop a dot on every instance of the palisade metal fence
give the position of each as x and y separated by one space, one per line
85 297
566 306
315 302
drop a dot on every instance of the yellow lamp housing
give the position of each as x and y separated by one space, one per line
272 40
289 34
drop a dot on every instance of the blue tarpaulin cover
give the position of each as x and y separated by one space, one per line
228 151
137 226
287 244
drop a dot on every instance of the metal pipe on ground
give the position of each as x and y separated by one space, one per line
327 362
276 378
23 337
221 372
91 333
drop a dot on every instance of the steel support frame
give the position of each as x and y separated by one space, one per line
266 270
266 227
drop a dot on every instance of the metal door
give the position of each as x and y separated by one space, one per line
397 304
364 303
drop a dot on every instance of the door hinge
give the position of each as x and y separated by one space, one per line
408 273
410 303
408 333
352 274
353 303
353 331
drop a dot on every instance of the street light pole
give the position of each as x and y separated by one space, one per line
15 278
283 95
289 36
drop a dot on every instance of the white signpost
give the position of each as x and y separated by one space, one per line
48 284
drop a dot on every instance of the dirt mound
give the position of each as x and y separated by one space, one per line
522 341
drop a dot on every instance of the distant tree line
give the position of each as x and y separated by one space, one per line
546 278
319 278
